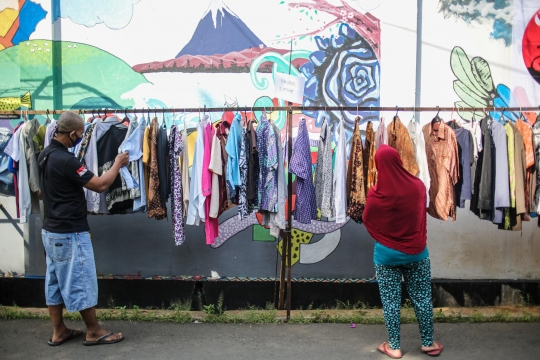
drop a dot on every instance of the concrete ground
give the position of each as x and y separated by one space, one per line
27 339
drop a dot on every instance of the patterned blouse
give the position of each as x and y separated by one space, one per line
399 139
268 163
176 147
356 195
443 165
370 170
306 204
324 185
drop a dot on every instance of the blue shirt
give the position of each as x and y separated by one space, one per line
383 255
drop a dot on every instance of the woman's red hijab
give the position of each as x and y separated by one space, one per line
395 212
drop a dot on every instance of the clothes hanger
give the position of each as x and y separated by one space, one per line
437 118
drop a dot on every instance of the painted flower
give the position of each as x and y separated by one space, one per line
344 72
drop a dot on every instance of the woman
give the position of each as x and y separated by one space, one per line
395 216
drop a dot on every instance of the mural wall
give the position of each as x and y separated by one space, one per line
90 54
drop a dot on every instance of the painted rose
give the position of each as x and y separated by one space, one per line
344 72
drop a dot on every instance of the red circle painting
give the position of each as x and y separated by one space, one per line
531 46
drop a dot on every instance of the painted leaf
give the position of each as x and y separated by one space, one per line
468 115
461 67
469 97
482 74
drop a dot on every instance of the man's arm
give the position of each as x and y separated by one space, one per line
101 183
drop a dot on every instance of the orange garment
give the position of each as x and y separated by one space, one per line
370 170
443 165
356 195
154 202
399 139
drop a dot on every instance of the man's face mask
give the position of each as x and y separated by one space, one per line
73 142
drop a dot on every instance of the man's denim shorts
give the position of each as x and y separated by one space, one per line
71 271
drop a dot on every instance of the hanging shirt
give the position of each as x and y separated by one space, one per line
25 202
216 167
195 187
146 158
463 186
176 146
163 164
133 145
222 132
482 202
443 164
185 171
117 196
356 195
234 143
324 184
501 194
370 169
340 176
305 205
39 137
513 215
536 142
243 210
417 137
525 131
399 139
381 136
139 202
49 133
155 209
268 162
211 224
277 220
253 167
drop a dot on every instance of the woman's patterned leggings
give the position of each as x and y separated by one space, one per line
418 280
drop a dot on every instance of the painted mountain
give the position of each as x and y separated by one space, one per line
222 42
220 31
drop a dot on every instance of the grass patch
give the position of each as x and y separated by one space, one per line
253 315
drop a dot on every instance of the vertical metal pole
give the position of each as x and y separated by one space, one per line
286 243
418 90
289 208
56 45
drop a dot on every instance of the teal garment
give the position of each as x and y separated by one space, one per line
383 255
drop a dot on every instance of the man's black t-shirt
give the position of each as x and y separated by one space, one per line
62 180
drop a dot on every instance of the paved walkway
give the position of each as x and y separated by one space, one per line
26 339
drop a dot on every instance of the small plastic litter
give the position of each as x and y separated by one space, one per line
353 325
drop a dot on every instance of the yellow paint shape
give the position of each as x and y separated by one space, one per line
298 237
2 47
7 17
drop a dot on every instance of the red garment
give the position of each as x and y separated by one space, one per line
395 212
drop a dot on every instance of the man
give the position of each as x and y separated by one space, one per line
71 278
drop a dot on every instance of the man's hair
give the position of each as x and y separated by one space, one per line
69 121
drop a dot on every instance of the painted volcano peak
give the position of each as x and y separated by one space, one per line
220 31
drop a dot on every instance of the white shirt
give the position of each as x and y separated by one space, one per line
340 176
25 202
195 210
419 142
215 167
49 133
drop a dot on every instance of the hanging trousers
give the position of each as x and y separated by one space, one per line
417 277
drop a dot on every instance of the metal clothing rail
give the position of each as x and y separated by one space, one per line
286 249
272 108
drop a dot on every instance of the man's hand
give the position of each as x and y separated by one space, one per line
122 159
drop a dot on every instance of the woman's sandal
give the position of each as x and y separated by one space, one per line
435 352
384 350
